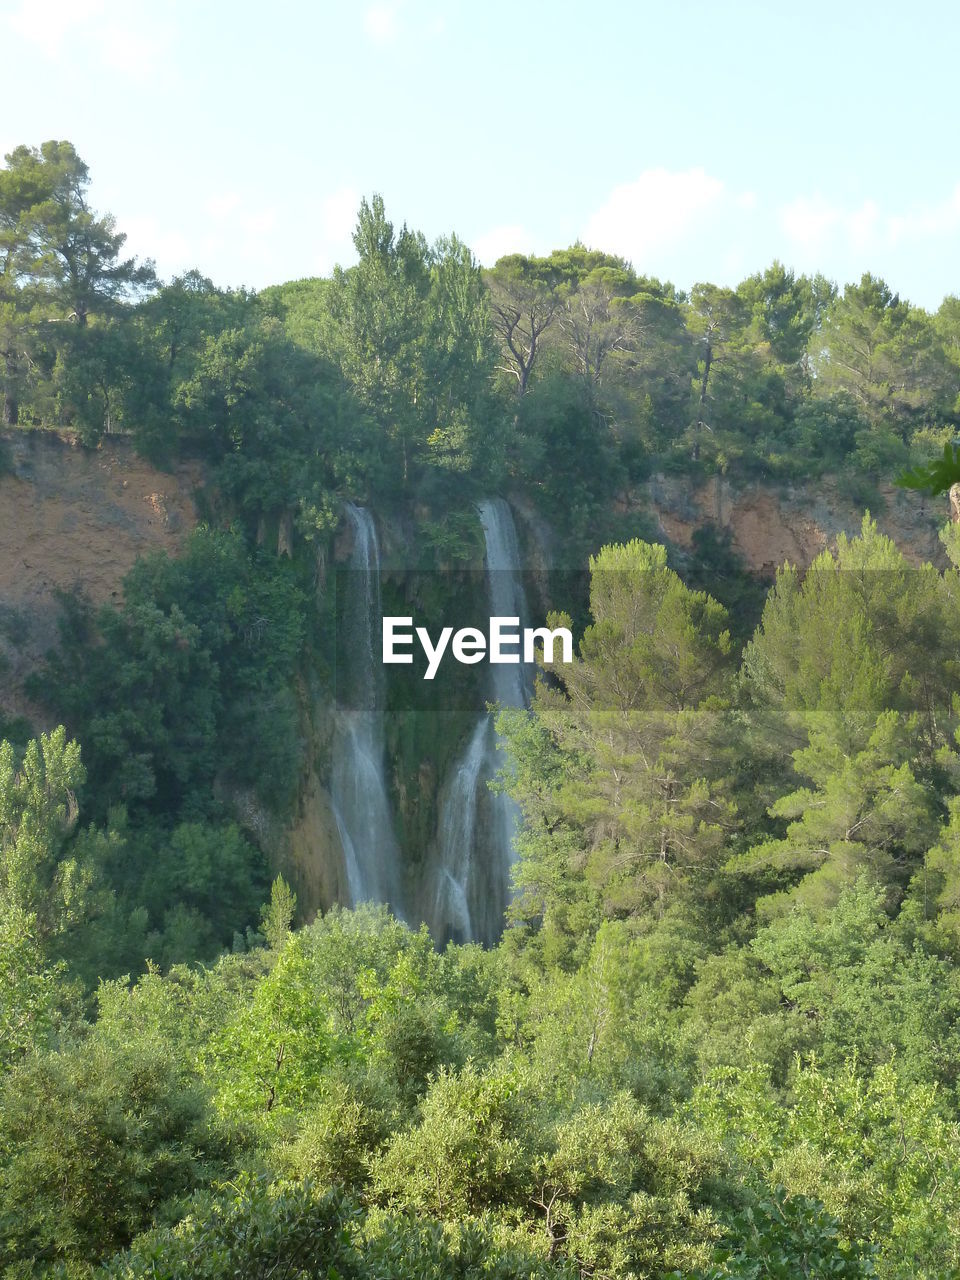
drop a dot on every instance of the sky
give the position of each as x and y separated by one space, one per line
698 140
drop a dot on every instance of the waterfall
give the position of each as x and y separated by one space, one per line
509 682
358 777
477 828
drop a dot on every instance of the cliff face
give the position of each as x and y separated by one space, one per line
770 526
75 519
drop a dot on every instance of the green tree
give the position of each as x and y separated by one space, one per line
31 986
38 810
525 298
886 353
59 261
879 1155
851 674
784 310
76 254
93 1146
278 915
379 309
780 1237
275 1050
864 813
469 1152
459 355
715 318
25 184
631 719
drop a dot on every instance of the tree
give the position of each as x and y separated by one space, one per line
716 318
599 315
861 632
38 810
599 320
258 1231
878 1154
379 311
273 1053
72 251
171 331
263 410
460 353
278 915
469 1152
784 309
631 720
31 993
25 184
780 1237
59 262
886 353
525 298
852 671
93 1143
188 680
865 812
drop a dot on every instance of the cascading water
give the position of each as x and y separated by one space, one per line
358 779
478 827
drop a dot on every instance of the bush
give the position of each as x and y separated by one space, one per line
96 1145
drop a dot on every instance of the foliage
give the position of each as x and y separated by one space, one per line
721 1033
878 1153
783 1237
259 1231
93 1146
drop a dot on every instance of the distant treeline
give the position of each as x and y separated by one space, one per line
416 371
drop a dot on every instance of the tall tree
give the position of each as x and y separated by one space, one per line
525 298
885 353
73 251
37 812
599 319
25 184
379 308
459 356
855 668
784 309
628 786
716 319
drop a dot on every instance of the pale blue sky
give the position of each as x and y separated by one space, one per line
700 140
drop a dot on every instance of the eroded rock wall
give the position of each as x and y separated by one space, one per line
769 526
75 519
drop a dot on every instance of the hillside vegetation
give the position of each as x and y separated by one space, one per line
720 1036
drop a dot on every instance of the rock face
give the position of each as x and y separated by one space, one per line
74 518
311 857
769 526
77 519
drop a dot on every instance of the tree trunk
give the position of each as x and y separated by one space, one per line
285 535
704 380
11 408
11 405
702 404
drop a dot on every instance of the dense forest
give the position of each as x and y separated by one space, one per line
720 1033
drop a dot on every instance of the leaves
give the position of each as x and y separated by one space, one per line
934 477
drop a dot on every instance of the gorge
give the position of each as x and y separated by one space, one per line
394 808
